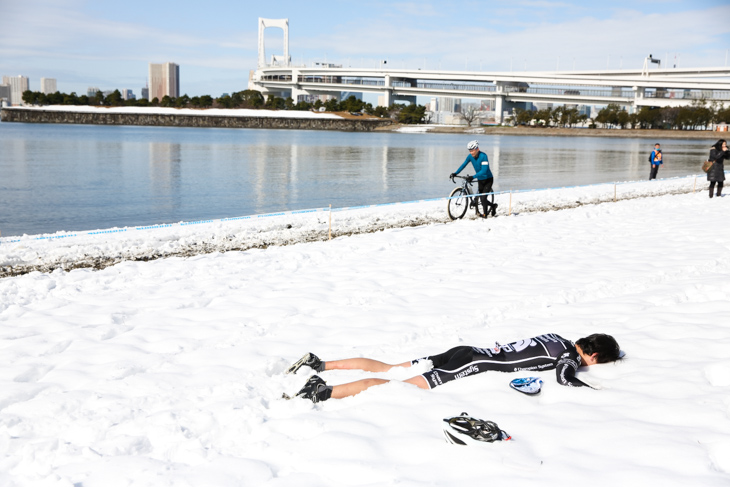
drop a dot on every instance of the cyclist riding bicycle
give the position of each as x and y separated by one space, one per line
483 175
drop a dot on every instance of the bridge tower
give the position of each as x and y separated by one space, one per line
281 24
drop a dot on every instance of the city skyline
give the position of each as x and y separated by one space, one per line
81 43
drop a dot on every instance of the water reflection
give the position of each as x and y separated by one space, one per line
384 169
634 156
60 177
494 162
165 160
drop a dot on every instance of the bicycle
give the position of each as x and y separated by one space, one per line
461 199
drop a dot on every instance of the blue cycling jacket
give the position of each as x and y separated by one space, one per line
653 155
481 166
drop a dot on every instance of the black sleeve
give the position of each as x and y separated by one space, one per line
567 366
716 155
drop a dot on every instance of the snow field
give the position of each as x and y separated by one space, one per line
170 372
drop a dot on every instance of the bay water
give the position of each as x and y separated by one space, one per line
85 177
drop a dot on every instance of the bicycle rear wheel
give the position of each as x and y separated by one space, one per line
458 203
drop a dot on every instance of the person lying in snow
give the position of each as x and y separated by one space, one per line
544 352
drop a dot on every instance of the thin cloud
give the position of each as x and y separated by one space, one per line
62 31
628 34
543 4
419 9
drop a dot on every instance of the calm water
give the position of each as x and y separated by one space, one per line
79 177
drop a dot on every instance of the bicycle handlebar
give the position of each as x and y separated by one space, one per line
468 178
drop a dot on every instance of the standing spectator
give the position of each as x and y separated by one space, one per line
716 174
656 160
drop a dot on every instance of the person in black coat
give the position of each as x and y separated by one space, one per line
716 174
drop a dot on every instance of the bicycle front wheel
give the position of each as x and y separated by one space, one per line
458 203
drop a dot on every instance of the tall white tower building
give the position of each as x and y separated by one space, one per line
18 84
164 80
48 85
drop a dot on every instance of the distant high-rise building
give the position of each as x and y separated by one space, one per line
145 93
4 94
127 94
48 85
164 80
447 104
17 84
91 91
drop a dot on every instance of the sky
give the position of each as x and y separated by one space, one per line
109 44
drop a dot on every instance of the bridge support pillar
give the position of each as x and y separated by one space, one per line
638 96
387 98
498 108
297 92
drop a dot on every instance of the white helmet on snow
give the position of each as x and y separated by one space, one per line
474 144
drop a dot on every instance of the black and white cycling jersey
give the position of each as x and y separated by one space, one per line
544 352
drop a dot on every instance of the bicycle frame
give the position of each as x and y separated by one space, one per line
466 185
456 208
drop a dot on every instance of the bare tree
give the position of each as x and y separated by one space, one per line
468 114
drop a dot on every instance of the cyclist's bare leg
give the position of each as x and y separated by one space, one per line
353 388
366 364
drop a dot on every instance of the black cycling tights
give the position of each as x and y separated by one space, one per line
719 187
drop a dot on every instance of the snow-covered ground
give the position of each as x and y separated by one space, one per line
221 112
170 372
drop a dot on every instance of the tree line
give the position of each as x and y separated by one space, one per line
559 117
250 99
697 116
114 99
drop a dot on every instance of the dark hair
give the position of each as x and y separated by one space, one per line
657 143
718 144
604 345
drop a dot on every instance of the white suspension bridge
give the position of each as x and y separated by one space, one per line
632 88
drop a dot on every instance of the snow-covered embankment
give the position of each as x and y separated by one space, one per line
101 248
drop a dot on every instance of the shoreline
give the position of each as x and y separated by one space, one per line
286 119
68 250
557 132
170 117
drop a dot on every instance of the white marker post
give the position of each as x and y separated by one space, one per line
330 229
